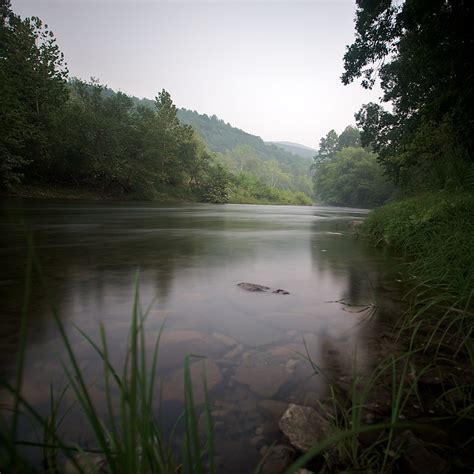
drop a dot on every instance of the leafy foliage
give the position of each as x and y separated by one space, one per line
86 135
242 151
216 188
32 89
345 174
105 139
352 177
422 51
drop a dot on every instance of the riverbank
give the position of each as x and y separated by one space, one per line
421 393
170 195
435 230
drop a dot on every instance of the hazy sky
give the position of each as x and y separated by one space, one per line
271 68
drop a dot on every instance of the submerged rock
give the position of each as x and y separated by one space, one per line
281 292
276 459
262 373
89 464
417 459
173 385
254 287
273 409
303 426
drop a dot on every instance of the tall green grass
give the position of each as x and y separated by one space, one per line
436 231
128 438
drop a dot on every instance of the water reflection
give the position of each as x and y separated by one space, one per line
190 259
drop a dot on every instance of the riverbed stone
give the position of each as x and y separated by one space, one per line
262 375
175 344
272 409
173 385
417 459
303 426
234 352
225 339
276 459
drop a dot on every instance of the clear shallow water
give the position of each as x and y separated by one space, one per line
190 259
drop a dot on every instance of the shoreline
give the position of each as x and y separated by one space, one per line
86 194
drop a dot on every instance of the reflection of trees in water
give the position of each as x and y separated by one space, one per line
90 254
367 277
365 270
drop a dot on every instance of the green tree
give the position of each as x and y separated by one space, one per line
32 89
423 53
217 185
352 177
350 137
329 144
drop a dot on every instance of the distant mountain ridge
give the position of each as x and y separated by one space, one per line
221 137
296 149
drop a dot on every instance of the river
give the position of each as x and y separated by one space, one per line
188 260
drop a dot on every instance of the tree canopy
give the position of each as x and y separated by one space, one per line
347 174
422 52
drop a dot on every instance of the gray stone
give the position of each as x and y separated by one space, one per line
303 426
261 379
253 287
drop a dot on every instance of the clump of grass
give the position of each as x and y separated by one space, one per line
128 439
436 231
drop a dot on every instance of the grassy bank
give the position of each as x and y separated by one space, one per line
277 196
166 195
436 231
426 382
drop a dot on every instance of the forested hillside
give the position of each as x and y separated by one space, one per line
58 131
241 151
256 165
296 149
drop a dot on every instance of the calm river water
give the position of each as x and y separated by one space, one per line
190 259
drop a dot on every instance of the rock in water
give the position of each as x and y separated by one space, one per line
252 286
303 426
260 288
281 292
276 459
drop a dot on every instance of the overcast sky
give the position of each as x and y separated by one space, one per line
271 68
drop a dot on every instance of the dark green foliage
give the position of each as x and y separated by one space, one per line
32 89
87 136
350 137
106 140
217 185
351 177
423 53
345 174
437 230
